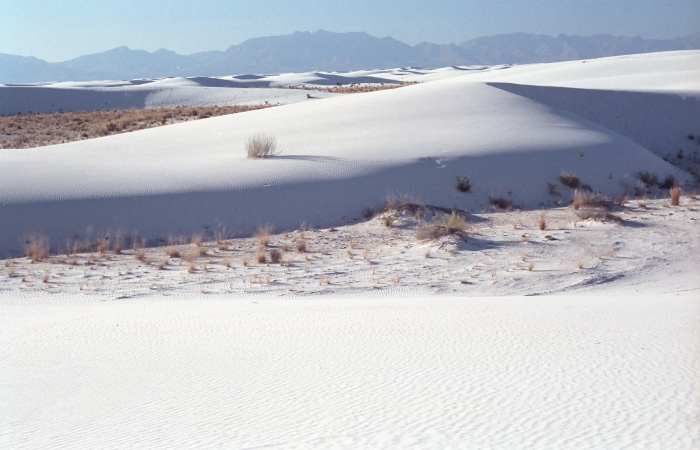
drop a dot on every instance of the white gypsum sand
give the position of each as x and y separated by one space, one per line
583 334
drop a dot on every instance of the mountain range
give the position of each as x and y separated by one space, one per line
327 51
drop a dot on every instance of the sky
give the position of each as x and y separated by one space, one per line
58 30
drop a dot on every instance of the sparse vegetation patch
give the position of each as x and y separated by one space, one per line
569 180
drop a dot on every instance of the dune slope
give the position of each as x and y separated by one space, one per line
338 155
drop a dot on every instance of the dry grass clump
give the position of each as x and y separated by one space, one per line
276 255
141 256
173 251
675 195
263 235
669 182
37 247
584 199
388 220
647 178
501 203
542 221
301 245
463 184
261 146
443 226
355 88
569 180
599 216
36 130
260 255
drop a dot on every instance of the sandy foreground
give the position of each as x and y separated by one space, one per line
369 339
539 326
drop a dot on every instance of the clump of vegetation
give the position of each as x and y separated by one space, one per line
591 200
569 180
647 178
276 255
260 256
261 146
669 182
443 226
501 203
388 220
37 247
543 221
463 184
675 195
599 216
263 235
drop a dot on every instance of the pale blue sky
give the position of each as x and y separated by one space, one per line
57 30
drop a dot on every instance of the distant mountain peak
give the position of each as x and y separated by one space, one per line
324 50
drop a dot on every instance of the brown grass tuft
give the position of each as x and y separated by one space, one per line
261 146
542 221
569 180
675 195
452 224
37 247
276 255
260 256
591 200
263 235
501 203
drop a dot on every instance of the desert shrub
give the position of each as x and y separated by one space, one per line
647 178
553 189
37 247
669 182
463 184
275 255
301 245
675 195
542 221
599 216
569 180
260 256
261 146
591 200
501 203
263 235
452 224
388 220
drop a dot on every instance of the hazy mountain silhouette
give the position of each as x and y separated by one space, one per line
327 51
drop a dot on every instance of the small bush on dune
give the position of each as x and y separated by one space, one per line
37 247
669 182
591 200
443 226
463 184
501 203
569 180
260 256
275 255
263 235
647 178
261 146
675 195
599 216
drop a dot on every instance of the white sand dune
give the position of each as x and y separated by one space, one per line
338 155
582 335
